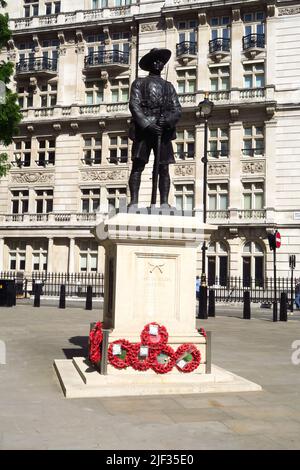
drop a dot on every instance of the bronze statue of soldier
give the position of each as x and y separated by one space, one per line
155 110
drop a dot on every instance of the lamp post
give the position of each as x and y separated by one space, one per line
205 110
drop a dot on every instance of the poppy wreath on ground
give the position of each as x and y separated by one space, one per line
96 337
188 354
122 360
137 361
163 360
155 342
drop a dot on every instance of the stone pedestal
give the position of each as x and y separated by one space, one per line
150 274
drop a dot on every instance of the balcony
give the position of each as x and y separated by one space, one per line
51 219
106 59
186 51
187 99
222 95
219 48
253 44
218 215
37 65
252 214
236 217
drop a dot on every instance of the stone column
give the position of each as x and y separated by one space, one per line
203 50
71 255
236 139
270 171
50 255
237 32
199 148
270 35
1 254
171 40
28 256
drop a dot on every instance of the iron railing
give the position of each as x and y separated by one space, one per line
36 64
254 40
219 45
106 58
184 155
186 48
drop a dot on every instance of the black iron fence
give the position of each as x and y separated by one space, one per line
253 40
106 58
261 290
76 283
36 64
219 44
186 47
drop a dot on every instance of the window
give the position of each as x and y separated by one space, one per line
26 57
185 144
218 197
253 264
220 27
184 197
39 256
219 78
31 8
187 37
17 256
25 97
120 46
22 153
90 200
254 23
254 75
91 150
118 149
253 141
50 53
116 197
217 259
120 3
218 142
253 195
20 201
88 256
186 81
48 95
119 90
93 92
52 8
44 201
46 152
99 4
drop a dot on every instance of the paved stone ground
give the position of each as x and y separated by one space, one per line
35 415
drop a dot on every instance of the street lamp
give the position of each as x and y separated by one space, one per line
205 110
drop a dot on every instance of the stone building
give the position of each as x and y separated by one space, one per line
74 63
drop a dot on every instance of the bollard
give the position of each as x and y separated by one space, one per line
62 297
211 303
37 295
202 312
89 298
283 307
246 306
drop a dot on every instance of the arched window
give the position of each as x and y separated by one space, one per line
253 264
217 258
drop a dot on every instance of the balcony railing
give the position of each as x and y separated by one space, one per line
117 160
250 93
219 45
36 64
184 155
222 95
254 151
217 153
254 41
106 58
187 98
186 48
218 215
257 214
51 218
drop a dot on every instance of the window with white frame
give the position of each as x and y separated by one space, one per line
46 152
218 142
184 196
92 149
44 201
50 53
19 201
119 89
25 96
90 199
253 141
97 4
118 149
219 78
39 256
52 8
31 8
120 46
253 264
88 256
217 196
220 27
185 144
253 195
187 37
114 196
22 152
26 56
120 3
217 260
17 255
254 75
96 48
48 94
254 22
186 81
93 92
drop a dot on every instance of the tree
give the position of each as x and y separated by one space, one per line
10 115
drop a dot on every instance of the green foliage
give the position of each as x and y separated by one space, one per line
5 33
4 165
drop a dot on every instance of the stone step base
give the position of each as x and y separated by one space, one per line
79 380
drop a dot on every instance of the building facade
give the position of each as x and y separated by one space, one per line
74 63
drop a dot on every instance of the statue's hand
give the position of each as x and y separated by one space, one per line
155 129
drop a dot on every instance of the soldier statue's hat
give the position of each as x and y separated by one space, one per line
155 54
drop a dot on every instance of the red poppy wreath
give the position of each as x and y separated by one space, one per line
163 360
187 358
138 360
96 337
154 335
119 353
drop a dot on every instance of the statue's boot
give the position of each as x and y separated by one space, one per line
164 189
134 186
